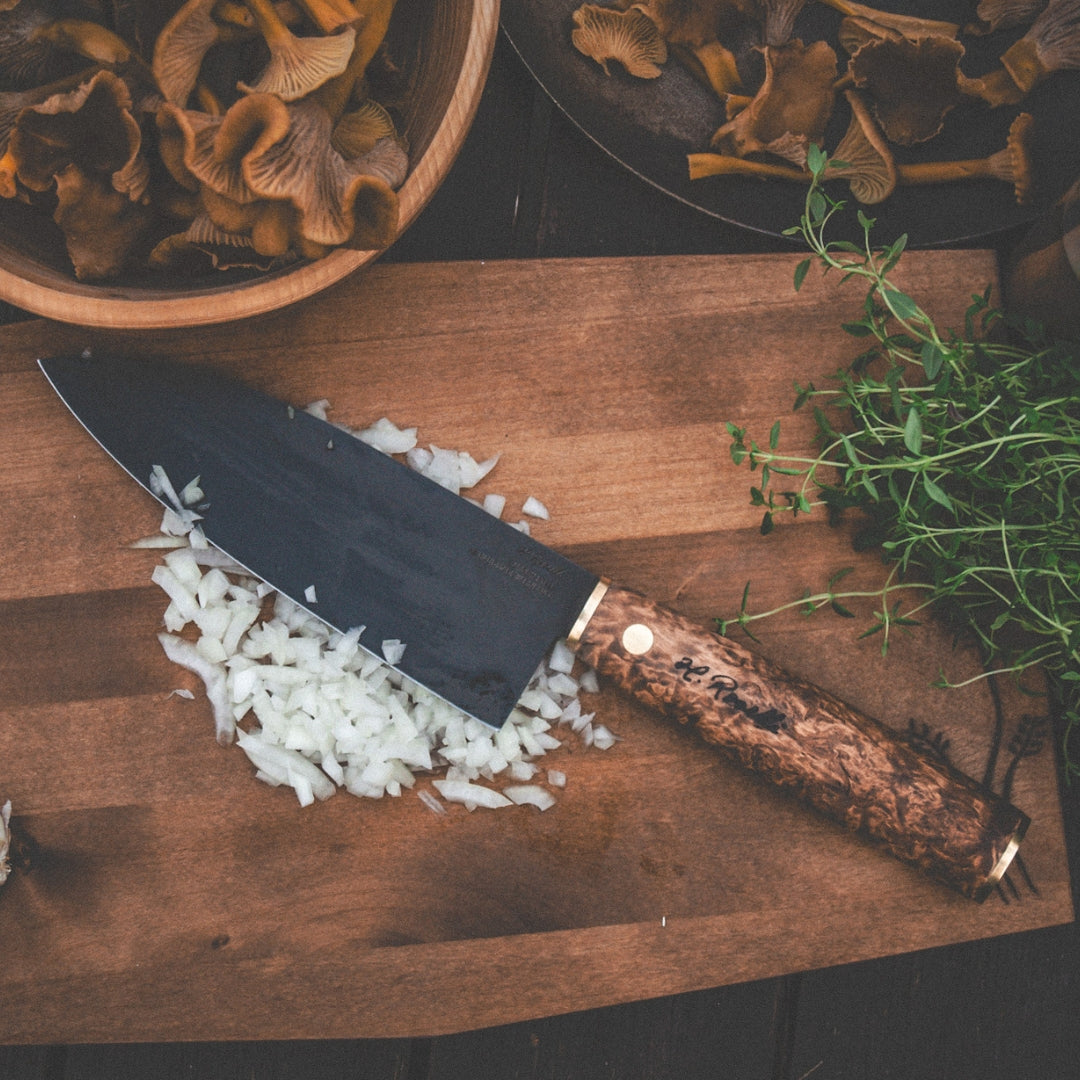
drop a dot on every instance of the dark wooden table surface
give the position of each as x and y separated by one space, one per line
528 184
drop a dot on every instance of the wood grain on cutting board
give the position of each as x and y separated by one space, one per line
169 895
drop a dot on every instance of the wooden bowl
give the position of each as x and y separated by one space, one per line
450 46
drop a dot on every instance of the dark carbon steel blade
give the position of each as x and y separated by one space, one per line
301 504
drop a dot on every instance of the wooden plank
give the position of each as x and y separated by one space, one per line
167 886
917 1015
375 1059
31 1062
699 1036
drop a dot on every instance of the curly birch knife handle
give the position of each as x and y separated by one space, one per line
852 768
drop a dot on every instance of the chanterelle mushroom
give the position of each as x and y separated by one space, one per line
40 42
101 226
376 25
1011 164
1052 44
12 102
699 33
357 132
991 15
854 32
331 15
792 107
338 202
910 26
268 170
200 149
862 156
778 20
705 164
203 242
181 46
863 159
629 37
913 85
91 127
297 65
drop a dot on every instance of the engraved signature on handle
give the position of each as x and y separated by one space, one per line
725 689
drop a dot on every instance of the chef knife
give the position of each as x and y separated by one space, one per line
361 540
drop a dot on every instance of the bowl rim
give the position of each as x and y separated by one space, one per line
97 307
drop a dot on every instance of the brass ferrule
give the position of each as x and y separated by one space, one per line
573 639
1003 863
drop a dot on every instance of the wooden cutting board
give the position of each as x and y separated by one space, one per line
167 895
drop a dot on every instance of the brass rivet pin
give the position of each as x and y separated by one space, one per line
637 639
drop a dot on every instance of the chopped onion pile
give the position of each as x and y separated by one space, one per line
5 841
329 712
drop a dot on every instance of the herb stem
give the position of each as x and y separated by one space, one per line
961 453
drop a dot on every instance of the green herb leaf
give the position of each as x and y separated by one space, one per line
932 358
849 449
800 273
892 255
774 436
900 303
913 431
857 329
935 492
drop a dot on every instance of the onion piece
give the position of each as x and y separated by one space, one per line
162 487
192 493
158 540
431 802
603 738
393 650
471 795
533 507
287 767
187 656
530 795
386 436
561 658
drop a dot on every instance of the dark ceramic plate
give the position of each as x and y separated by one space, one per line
651 125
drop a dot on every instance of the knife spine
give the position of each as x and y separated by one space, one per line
846 765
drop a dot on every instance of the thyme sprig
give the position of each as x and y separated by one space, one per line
962 454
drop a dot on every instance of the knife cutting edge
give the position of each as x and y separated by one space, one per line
314 511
